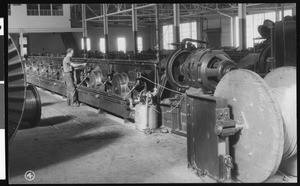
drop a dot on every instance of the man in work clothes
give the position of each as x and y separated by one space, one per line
68 70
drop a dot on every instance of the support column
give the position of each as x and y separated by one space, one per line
242 25
199 26
84 33
157 35
233 32
282 11
134 30
21 42
277 18
176 28
105 26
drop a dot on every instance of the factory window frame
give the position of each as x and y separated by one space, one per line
121 44
32 9
102 45
9 9
252 22
140 44
88 43
167 36
45 9
57 10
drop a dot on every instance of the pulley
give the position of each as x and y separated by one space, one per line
32 111
120 84
258 149
283 83
16 89
17 94
96 79
202 68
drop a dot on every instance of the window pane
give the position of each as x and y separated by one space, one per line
102 45
57 9
167 36
45 9
237 38
270 16
32 9
122 44
88 43
288 12
140 44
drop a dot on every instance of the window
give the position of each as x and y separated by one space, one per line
252 23
167 36
88 43
188 30
32 9
121 44
102 45
45 9
57 10
140 44
9 10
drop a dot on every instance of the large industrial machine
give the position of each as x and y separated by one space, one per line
239 126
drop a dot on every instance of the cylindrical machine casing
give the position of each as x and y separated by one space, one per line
145 115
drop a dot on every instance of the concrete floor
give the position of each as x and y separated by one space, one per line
77 145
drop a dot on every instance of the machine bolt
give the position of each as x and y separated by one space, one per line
259 133
234 99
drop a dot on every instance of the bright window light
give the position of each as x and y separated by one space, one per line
140 44
121 44
88 43
102 45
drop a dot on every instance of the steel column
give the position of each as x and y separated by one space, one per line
84 27
134 29
277 13
105 26
242 25
282 11
157 36
232 30
176 29
199 26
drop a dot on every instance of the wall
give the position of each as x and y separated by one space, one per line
220 22
51 42
19 19
113 33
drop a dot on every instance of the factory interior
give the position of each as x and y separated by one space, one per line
152 93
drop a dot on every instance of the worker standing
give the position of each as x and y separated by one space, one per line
68 67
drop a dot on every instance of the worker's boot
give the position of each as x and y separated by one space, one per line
74 104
